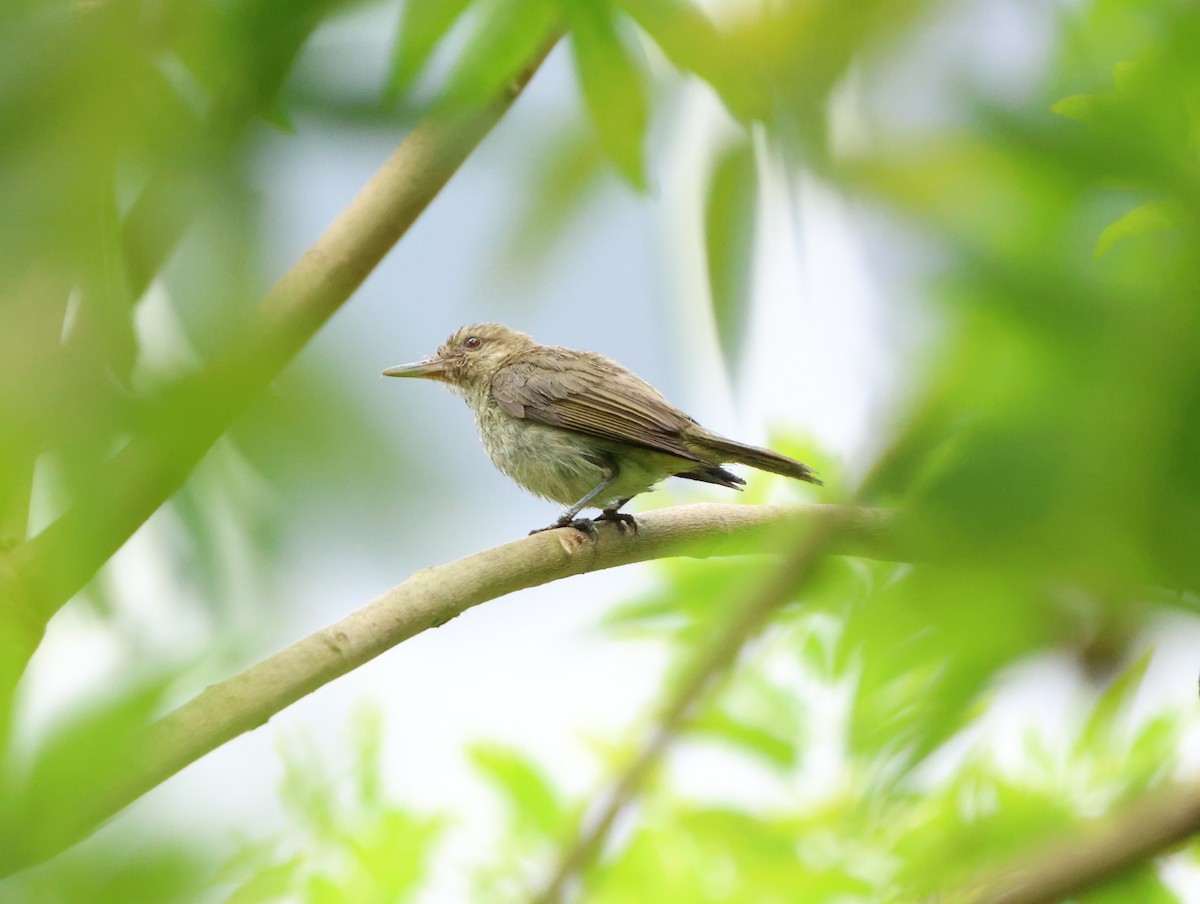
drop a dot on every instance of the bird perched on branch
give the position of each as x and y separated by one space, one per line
577 428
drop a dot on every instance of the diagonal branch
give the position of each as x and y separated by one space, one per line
1098 852
431 598
37 578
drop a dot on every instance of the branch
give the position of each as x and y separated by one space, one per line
1098 852
709 665
434 596
37 578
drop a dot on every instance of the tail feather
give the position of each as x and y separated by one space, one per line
763 459
714 474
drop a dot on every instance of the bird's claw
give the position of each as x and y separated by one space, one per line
619 518
583 525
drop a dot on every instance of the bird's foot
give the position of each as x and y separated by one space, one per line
583 525
619 518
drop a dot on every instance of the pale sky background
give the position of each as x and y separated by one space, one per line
835 322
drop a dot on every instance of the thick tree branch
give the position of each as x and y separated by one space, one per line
42 574
432 597
1098 852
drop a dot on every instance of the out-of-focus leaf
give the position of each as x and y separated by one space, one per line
534 804
103 322
612 85
423 24
307 791
506 36
272 883
345 842
139 865
368 747
1142 884
691 41
1151 218
1087 108
759 740
1113 705
686 606
729 231
925 648
569 173
75 767
1153 751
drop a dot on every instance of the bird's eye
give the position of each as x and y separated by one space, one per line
473 342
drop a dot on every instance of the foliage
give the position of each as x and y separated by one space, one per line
1046 459
345 842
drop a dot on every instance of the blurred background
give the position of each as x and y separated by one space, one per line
944 252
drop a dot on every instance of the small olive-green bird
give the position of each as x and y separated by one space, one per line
579 429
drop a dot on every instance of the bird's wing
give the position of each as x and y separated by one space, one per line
592 395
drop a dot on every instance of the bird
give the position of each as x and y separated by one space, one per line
579 429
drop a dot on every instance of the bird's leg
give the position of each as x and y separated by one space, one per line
568 519
622 518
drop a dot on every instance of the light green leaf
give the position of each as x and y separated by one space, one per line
569 172
272 883
770 745
690 40
1151 218
533 801
506 37
1114 703
729 226
423 24
612 85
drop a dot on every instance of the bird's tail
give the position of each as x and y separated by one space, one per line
764 459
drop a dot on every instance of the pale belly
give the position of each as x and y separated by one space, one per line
564 467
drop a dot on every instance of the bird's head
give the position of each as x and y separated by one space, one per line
469 359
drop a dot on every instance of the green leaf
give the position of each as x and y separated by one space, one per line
82 761
272 883
1085 108
368 747
756 739
534 802
1114 703
568 170
690 40
423 24
612 86
729 226
506 37
1152 218
1142 885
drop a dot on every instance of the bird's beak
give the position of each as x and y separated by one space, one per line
429 369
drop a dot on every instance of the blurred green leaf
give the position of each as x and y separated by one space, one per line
690 40
612 85
86 755
506 36
729 235
565 178
1142 884
760 740
423 24
1114 704
533 802
1151 218
271 883
346 841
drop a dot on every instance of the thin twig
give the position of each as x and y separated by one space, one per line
1098 852
434 596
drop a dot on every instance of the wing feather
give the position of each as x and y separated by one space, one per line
593 395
